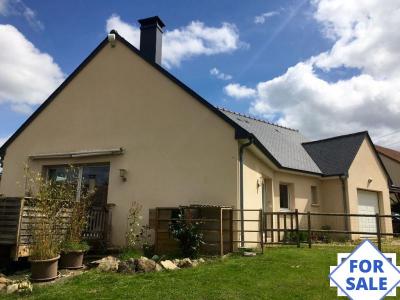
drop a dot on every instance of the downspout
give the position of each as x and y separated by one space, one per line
343 179
241 152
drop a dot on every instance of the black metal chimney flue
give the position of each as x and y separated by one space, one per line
151 30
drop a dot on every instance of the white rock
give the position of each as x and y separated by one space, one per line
249 254
159 268
169 265
12 288
108 264
185 263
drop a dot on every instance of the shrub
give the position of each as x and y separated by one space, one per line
187 234
47 214
79 215
133 230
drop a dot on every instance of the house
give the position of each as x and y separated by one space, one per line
137 133
391 160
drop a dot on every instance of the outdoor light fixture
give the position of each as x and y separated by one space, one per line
260 182
122 174
369 180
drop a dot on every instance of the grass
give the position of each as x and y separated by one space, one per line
281 273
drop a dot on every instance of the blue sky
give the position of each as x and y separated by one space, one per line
281 67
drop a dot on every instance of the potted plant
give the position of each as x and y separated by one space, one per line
144 239
46 210
74 247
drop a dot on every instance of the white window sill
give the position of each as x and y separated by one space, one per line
284 210
315 205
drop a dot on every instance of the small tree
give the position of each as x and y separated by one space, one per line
47 212
187 234
79 215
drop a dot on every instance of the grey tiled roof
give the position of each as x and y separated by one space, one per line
335 155
284 144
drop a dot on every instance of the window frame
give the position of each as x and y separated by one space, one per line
288 197
314 195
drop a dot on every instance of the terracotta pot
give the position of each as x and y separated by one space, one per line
44 270
71 259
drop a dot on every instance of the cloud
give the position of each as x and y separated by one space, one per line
185 42
19 8
220 75
27 76
239 92
263 17
364 37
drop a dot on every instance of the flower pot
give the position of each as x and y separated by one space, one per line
71 259
44 270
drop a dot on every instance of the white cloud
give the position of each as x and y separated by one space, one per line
27 76
19 8
220 75
238 91
263 17
185 42
365 37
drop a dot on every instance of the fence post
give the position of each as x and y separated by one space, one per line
279 226
378 231
309 228
221 232
156 231
231 228
272 227
297 227
261 230
284 229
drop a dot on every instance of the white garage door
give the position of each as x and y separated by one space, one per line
367 204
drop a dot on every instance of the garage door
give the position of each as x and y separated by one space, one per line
367 204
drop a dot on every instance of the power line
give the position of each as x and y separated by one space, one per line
385 135
391 144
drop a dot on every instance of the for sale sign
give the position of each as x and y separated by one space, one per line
366 273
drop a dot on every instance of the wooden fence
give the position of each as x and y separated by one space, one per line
286 227
17 216
221 227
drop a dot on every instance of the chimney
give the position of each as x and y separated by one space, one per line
151 30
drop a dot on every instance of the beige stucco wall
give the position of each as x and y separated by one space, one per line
176 150
364 167
393 168
299 187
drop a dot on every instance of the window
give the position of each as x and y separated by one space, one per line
314 195
284 196
88 177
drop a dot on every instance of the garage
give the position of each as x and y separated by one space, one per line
367 204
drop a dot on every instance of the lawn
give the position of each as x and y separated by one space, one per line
281 273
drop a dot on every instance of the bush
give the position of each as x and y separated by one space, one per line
47 214
134 218
79 211
187 234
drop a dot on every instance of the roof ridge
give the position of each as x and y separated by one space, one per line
255 118
337 137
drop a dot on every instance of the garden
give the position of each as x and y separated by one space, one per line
62 266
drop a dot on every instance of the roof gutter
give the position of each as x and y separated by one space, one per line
241 153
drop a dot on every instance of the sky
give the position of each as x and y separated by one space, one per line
325 67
